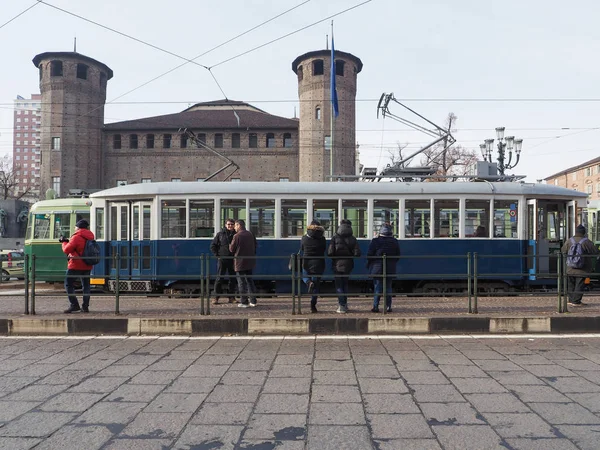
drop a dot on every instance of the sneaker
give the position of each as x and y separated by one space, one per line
72 309
374 310
85 309
576 303
388 310
232 300
244 305
313 309
253 305
311 287
342 309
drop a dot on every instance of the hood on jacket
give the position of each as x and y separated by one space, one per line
315 231
84 233
344 230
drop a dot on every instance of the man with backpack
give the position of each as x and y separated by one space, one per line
343 248
579 264
77 266
384 244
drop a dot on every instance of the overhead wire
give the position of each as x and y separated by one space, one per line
19 15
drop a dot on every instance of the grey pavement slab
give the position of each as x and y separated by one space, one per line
277 427
451 414
135 393
77 437
382 385
156 425
36 424
408 444
468 437
18 443
223 414
110 413
335 394
505 403
526 425
12 409
335 377
71 402
565 413
584 437
540 444
137 444
282 404
389 404
222 437
325 437
179 402
399 426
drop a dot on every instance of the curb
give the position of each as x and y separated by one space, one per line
296 326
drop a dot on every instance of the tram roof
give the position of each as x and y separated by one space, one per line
61 203
320 188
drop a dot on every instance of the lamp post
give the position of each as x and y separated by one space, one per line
504 144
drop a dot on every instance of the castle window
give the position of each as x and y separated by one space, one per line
149 141
318 67
339 68
287 140
55 143
318 113
235 140
41 71
117 141
146 180
202 138
166 141
219 140
252 140
133 141
270 140
82 71
56 69
183 141
300 73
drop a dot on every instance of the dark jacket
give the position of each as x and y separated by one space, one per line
379 246
74 249
588 248
343 244
243 247
314 244
220 243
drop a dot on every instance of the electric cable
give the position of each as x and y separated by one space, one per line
19 15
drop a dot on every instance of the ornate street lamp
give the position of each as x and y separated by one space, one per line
504 144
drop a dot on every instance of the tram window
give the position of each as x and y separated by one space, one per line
233 209
385 211
29 231
356 212
506 218
124 224
146 225
173 218
202 213
41 227
417 218
293 218
113 223
447 218
262 218
326 212
136 222
99 223
62 225
477 218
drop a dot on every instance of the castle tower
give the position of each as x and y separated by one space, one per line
73 89
313 70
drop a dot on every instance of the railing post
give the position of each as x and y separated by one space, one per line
207 267
384 280
300 281
33 284
293 274
475 288
469 291
117 281
202 284
26 262
559 283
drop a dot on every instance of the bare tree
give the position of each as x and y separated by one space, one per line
396 155
8 180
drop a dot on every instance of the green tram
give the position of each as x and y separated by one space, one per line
47 221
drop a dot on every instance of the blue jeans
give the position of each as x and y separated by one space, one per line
317 283
341 287
246 286
70 277
378 288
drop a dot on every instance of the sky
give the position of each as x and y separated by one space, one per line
530 66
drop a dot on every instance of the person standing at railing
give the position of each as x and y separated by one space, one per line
578 251
384 244
312 249
243 247
77 269
219 247
343 248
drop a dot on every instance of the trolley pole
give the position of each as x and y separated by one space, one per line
26 284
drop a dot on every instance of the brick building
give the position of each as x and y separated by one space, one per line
79 151
26 145
583 177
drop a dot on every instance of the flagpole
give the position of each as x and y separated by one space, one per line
331 107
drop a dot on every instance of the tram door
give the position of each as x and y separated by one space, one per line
119 239
141 261
546 231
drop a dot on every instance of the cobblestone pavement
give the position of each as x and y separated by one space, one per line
430 392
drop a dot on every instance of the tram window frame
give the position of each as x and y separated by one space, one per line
100 223
417 218
202 218
322 207
502 217
234 208
477 215
446 217
357 212
62 228
259 212
39 220
386 211
294 217
172 224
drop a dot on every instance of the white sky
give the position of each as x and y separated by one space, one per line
419 50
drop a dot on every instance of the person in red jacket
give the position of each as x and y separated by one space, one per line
76 267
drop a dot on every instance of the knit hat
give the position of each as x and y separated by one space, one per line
316 223
82 224
580 230
385 230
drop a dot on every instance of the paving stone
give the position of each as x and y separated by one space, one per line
135 359
461 371
203 371
548 371
379 360
578 364
572 384
71 402
189 355
36 392
468 437
121 370
138 444
110 413
425 377
382 386
332 364
565 413
408 444
590 401
530 360
155 377
527 425
223 414
451 414
390 404
372 371
394 426
455 359
267 444
99 385
335 394
167 402
229 393
436 393
415 365
500 403
64 376
216 360
285 371
336 377
36 370
251 364
36 424
13 384
287 386
10 410
18 443
493 364
336 414
325 437
593 376
482 354
338 355
282 404
541 444
295 359
515 378
280 427
222 437
401 355
135 393
156 425
477 385
584 437
171 365
74 437
537 394
193 385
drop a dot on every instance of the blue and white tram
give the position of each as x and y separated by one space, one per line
160 229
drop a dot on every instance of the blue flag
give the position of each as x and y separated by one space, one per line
334 97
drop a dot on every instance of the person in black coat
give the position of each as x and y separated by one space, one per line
384 244
343 248
219 247
312 249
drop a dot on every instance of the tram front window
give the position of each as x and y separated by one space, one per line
477 218
385 211
326 212
173 218
506 219
233 209
202 213
356 212
262 218
293 217
417 218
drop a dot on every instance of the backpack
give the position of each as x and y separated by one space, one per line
91 253
575 258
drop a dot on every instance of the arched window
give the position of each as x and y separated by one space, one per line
287 140
318 113
270 140
56 69
318 67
